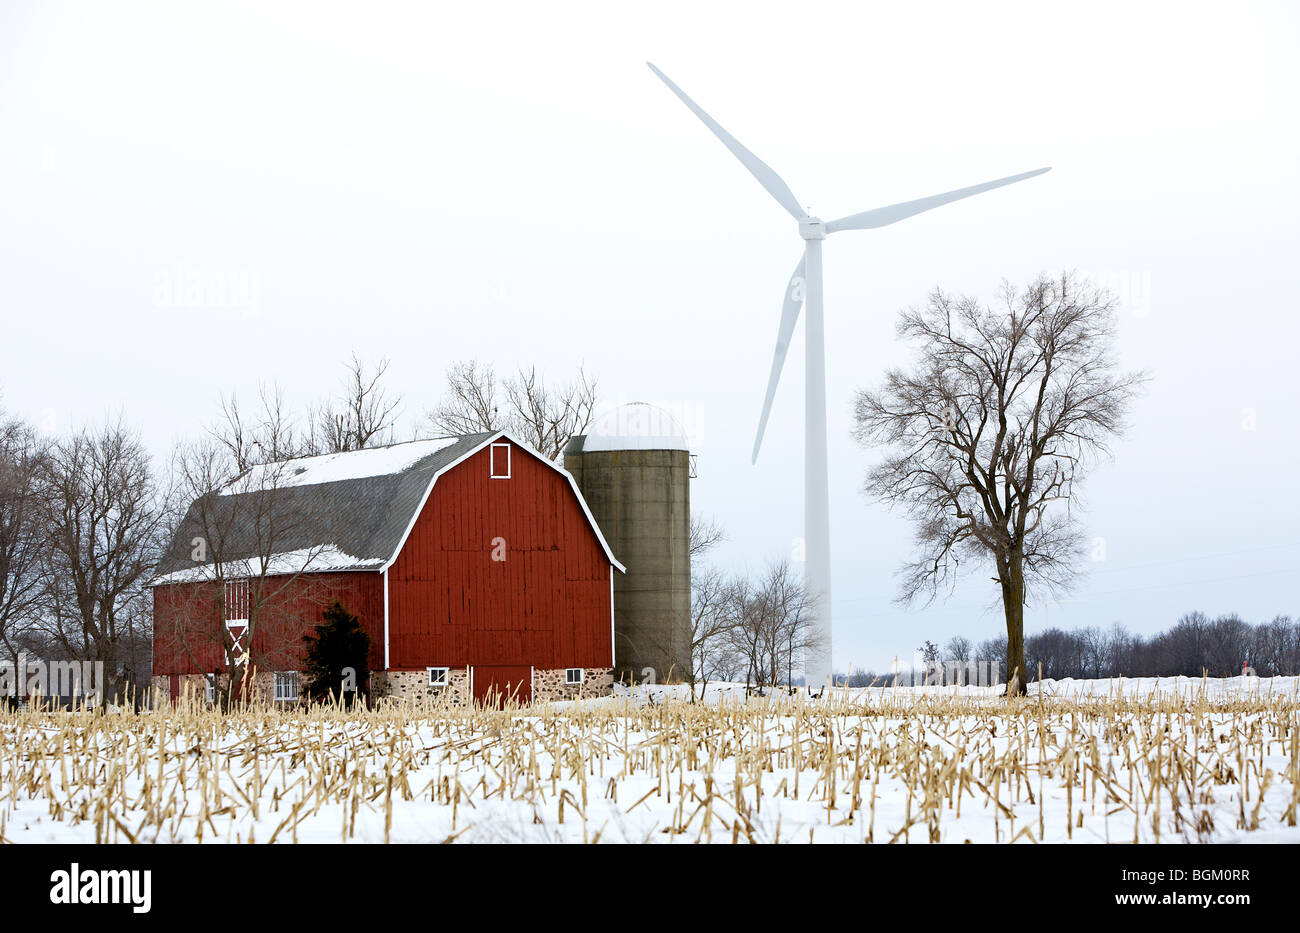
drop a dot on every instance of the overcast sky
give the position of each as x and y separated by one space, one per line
511 183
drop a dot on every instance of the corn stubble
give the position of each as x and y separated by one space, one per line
861 766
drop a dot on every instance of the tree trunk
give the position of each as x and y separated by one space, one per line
1011 571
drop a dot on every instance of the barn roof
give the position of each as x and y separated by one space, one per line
345 511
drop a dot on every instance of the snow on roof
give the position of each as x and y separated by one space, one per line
303 560
636 426
333 468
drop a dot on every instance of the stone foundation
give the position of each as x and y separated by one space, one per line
196 686
414 685
549 684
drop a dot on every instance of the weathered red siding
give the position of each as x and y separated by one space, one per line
496 685
546 605
187 625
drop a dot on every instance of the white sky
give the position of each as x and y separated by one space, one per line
511 183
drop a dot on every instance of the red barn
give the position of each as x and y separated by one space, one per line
473 563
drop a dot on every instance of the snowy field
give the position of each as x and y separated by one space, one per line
1168 761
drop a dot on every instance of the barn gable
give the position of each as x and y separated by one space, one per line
504 566
493 441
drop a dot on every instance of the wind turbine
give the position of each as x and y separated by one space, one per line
806 288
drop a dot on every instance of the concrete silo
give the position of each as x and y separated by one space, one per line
633 468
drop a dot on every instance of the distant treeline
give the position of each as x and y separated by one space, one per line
1197 644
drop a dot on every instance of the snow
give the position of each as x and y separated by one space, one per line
333 468
303 560
646 766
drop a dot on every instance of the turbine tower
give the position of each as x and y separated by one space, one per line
805 288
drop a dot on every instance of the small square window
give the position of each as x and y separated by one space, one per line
573 675
286 686
500 465
437 677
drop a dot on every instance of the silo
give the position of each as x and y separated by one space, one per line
633 468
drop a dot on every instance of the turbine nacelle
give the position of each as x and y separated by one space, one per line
812 228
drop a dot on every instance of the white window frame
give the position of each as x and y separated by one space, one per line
238 595
444 681
492 460
211 690
569 682
237 641
282 696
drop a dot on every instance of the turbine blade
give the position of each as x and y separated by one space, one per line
884 216
794 294
757 167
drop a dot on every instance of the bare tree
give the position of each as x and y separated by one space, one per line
1094 644
792 609
22 455
1275 647
989 435
710 603
264 437
772 623
703 536
711 624
548 416
240 544
959 649
1119 645
1194 646
362 416
103 515
543 415
1229 641
957 659
470 404
745 633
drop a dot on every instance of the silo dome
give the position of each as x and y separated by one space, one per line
636 426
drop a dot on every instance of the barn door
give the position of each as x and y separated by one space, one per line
494 686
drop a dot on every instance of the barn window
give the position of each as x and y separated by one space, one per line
438 677
286 686
500 455
212 690
573 675
237 600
